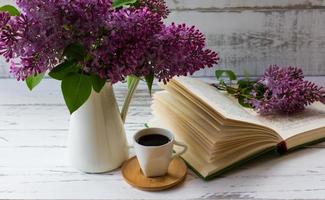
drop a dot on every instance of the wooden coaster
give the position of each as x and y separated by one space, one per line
133 175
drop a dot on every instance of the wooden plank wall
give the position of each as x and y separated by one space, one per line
251 34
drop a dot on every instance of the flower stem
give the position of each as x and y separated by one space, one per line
131 90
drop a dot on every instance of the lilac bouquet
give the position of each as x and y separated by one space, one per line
85 43
279 90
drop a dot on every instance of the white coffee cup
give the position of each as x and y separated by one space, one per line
154 160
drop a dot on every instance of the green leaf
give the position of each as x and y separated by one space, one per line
10 9
222 82
75 52
34 80
131 80
149 80
260 91
245 83
242 101
121 3
67 27
230 74
63 69
246 91
76 89
231 90
219 73
97 82
242 83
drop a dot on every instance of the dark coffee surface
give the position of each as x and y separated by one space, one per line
153 140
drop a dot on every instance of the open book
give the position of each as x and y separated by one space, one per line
222 134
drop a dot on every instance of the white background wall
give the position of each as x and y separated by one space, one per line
251 34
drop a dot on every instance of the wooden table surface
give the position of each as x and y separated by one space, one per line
33 162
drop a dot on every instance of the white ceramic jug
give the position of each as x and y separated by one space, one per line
97 141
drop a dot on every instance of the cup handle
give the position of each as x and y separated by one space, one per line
181 152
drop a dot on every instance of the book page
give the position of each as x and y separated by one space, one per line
285 125
218 101
290 125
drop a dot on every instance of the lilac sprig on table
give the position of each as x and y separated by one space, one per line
86 43
279 90
286 91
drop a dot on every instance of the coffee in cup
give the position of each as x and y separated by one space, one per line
154 150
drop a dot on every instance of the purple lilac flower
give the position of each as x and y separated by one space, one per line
122 42
34 41
286 91
323 96
124 48
4 18
178 50
156 6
